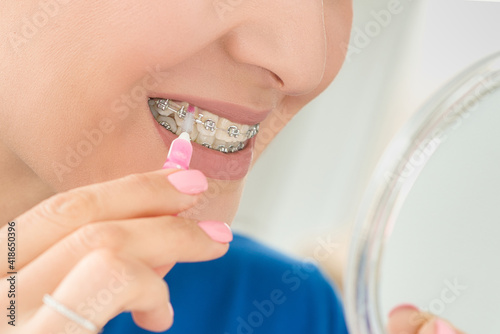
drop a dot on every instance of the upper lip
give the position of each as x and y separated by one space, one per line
235 113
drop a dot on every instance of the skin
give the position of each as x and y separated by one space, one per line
67 77
105 50
410 320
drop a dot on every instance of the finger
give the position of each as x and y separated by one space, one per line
438 326
169 240
140 195
100 287
162 271
408 319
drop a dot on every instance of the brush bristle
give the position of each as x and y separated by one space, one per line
187 125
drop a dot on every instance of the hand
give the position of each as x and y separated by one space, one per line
407 319
103 249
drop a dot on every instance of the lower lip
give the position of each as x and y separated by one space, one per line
214 164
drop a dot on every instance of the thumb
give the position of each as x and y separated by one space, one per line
438 326
408 319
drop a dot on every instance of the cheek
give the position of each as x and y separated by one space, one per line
69 122
98 148
338 20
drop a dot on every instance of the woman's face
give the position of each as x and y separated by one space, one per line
79 75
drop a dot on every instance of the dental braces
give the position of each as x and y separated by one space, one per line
224 149
209 124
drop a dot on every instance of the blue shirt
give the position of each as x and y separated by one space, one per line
250 290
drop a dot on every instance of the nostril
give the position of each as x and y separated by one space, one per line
275 79
278 80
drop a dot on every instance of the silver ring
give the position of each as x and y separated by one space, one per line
54 304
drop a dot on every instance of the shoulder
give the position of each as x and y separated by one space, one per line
253 289
258 261
273 292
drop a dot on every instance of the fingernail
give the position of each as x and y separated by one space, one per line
218 231
442 327
171 309
189 182
403 307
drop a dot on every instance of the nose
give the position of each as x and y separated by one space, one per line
285 37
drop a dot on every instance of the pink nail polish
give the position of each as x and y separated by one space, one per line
442 327
189 182
403 307
218 231
180 152
171 309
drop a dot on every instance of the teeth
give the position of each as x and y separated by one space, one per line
253 130
220 145
193 134
230 132
172 106
207 124
161 107
210 130
182 111
207 140
166 112
168 123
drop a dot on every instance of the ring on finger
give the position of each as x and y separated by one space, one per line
63 310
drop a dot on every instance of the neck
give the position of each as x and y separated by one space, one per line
20 187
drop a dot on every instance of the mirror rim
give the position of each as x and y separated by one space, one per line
400 165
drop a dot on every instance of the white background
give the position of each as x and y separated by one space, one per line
309 182
310 179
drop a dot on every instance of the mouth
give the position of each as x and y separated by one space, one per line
209 130
223 133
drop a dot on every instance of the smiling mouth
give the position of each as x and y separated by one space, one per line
209 130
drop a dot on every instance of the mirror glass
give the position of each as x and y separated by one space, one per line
428 231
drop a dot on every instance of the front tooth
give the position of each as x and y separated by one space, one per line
170 121
209 123
229 131
220 145
217 133
205 140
